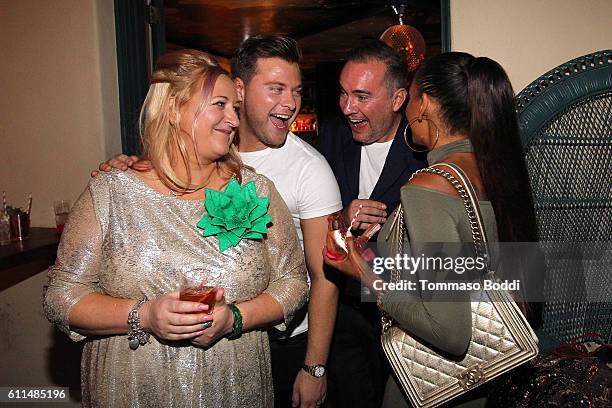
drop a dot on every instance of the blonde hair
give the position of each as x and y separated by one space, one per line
177 78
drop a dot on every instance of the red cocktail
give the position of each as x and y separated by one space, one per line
202 294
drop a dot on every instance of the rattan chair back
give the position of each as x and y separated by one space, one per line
566 123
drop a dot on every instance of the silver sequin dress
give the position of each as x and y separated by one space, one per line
126 240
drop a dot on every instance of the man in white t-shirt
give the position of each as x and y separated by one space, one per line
268 79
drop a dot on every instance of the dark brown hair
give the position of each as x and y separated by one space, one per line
396 75
476 98
244 62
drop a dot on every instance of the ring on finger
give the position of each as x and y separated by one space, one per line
207 324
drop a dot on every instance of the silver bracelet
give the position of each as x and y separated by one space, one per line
136 336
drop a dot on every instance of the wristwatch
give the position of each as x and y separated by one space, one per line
317 370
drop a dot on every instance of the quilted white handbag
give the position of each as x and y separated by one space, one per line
501 337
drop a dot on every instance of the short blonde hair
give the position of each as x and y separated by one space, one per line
177 77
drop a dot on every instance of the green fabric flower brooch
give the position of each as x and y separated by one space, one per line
235 214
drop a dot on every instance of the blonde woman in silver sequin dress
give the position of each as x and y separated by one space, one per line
132 235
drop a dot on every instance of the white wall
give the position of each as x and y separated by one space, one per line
59 98
530 37
59 117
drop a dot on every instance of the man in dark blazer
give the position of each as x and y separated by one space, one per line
371 162
344 156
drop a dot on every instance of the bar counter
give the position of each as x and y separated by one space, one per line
38 249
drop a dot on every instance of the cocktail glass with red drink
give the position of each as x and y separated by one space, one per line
193 288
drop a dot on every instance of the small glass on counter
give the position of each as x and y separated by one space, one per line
5 229
61 208
19 224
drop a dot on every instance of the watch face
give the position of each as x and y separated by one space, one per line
319 371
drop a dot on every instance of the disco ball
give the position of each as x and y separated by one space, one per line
407 41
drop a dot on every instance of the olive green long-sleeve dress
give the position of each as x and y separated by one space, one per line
431 216
126 240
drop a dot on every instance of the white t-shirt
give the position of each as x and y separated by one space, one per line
303 179
373 157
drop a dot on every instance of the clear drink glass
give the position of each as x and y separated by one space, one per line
5 229
193 288
20 226
61 208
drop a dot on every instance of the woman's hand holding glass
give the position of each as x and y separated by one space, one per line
222 322
348 253
170 318
353 265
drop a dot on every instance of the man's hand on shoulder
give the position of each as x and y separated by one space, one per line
121 162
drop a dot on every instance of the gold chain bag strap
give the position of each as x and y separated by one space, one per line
501 337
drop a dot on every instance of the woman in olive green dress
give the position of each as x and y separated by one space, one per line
461 108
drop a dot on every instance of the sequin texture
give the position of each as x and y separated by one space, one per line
126 240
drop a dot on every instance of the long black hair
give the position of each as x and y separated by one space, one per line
476 99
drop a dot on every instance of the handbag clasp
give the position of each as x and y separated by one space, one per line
471 376
386 321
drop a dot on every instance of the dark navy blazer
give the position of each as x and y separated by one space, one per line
344 156
357 330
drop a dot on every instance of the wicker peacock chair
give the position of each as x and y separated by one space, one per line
566 124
